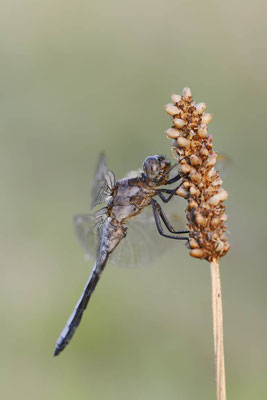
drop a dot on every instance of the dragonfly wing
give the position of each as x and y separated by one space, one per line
88 228
223 164
103 183
143 244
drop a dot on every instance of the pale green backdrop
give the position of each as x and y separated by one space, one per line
78 77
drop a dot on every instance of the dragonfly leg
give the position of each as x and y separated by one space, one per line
171 193
157 215
175 179
166 221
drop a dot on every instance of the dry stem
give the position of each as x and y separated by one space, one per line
218 329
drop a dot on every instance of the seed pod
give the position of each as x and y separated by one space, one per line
222 194
186 184
198 253
215 221
211 174
193 125
175 98
193 243
190 135
192 204
209 191
220 245
211 161
215 236
200 108
172 133
179 123
185 168
194 191
183 142
185 116
195 160
203 152
201 220
182 192
202 131
214 200
209 144
195 176
171 109
206 118
226 247
174 143
223 217
186 94
195 144
217 182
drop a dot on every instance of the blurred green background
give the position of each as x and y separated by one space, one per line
80 77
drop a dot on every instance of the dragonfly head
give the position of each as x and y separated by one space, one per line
156 169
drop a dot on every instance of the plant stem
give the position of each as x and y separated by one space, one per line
218 329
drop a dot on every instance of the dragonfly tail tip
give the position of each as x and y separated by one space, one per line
57 351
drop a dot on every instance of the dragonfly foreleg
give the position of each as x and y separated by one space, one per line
171 193
175 179
158 213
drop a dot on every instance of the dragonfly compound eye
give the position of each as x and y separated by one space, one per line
151 167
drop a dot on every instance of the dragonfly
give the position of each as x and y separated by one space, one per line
106 228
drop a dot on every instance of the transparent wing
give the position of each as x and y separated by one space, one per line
134 174
103 183
223 164
87 233
142 244
88 228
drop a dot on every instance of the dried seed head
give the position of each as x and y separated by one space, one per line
206 118
211 161
179 123
226 247
194 192
215 221
172 110
172 133
195 160
183 142
214 200
175 98
217 182
195 176
182 192
203 152
200 220
193 243
202 185
186 184
198 253
192 204
187 95
200 108
202 131
223 194
185 168
223 218
211 174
